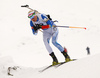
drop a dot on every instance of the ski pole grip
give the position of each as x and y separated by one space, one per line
25 6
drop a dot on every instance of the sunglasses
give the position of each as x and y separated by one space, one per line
31 15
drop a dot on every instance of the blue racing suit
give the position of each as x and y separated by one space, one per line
50 32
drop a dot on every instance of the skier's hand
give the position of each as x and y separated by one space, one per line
37 26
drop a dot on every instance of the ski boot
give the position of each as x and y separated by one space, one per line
55 61
67 58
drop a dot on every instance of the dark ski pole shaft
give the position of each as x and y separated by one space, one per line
27 6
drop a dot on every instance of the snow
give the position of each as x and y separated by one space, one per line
83 68
19 47
87 67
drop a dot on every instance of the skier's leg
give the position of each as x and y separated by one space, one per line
55 61
46 40
63 50
49 49
67 57
55 43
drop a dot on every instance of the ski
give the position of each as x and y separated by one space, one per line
64 63
50 67
61 63
45 68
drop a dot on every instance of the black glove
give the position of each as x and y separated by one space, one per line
37 26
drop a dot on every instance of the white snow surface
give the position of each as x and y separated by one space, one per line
87 67
19 47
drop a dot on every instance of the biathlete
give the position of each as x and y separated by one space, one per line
44 22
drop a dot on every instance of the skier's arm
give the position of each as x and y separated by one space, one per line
48 21
32 27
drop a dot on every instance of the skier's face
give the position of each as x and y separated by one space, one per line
34 19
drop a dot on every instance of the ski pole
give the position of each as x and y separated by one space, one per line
27 6
71 27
